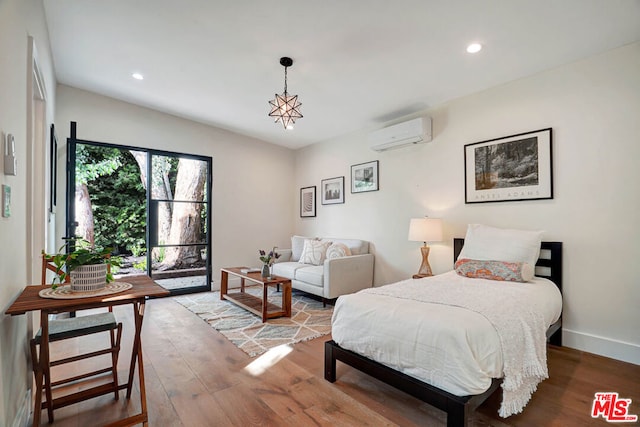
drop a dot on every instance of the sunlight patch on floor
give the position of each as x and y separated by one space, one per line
268 359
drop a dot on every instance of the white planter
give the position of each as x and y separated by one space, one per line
89 278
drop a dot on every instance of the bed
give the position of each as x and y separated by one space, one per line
458 401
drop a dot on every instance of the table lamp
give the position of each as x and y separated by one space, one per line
425 230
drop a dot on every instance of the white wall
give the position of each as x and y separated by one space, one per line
593 107
19 19
251 178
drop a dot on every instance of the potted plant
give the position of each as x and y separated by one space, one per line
86 265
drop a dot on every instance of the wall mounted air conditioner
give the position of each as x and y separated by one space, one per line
414 131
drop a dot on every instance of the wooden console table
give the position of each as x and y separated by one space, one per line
29 300
258 306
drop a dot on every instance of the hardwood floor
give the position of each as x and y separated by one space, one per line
195 377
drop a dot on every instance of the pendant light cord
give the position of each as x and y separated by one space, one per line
285 80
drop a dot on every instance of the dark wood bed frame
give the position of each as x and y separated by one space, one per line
458 408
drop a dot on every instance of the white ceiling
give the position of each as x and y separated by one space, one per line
357 64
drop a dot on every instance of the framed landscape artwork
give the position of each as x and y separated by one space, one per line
332 191
516 167
308 201
364 177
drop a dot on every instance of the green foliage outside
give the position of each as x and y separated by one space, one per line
94 162
142 265
118 199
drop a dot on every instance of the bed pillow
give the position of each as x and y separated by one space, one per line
338 250
314 252
495 270
486 243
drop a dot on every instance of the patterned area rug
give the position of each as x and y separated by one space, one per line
308 320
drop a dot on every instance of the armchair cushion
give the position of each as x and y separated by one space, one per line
356 246
338 250
297 244
287 269
314 252
313 275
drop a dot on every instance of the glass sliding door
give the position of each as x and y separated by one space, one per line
152 207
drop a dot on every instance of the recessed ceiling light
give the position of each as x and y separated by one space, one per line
137 76
474 48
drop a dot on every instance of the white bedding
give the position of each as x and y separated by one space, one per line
452 348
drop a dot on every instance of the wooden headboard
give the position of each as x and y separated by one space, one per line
550 260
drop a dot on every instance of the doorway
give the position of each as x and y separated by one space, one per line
36 166
152 207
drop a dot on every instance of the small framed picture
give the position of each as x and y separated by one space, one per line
364 177
332 191
308 201
516 167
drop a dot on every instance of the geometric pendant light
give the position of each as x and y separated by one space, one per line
285 108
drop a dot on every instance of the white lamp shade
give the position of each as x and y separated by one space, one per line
425 230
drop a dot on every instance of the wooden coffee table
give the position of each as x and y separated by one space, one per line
258 306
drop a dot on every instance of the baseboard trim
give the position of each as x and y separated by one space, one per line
22 417
619 350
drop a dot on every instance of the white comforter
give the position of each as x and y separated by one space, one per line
453 348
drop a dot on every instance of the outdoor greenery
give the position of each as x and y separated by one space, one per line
119 208
118 203
111 204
